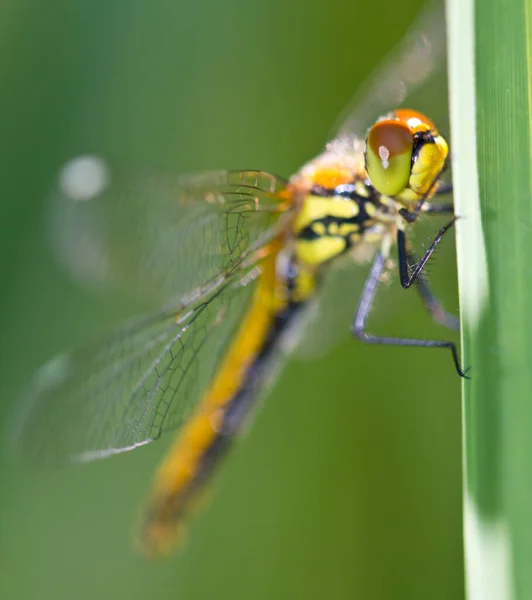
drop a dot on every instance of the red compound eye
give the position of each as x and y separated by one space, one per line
414 120
389 148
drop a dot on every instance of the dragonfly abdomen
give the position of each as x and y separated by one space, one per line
227 404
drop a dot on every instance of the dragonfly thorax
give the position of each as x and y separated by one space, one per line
332 220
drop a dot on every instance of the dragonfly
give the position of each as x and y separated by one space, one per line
237 259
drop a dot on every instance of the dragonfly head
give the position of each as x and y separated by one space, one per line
405 155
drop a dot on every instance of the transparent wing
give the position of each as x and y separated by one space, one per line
159 237
144 379
411 65
187 243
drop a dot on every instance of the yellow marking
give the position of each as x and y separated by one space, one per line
305 285
408 197
169 504
347 228
425 171
316 207
371 209
319 228
361 189
428 166
354 237
315 252
333 229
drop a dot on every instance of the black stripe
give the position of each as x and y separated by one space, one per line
420 139
240 406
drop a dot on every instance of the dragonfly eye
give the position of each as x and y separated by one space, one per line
388 156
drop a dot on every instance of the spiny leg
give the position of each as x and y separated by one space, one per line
430 301
364 308
433 305
408 279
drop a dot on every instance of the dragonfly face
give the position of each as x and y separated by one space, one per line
353 199
235 257
405 155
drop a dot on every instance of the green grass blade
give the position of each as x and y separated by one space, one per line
490 49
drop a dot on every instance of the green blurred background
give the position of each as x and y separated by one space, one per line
349 484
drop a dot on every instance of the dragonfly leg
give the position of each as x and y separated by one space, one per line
407 278
432 207
434 306
358 327
444 188
438 209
